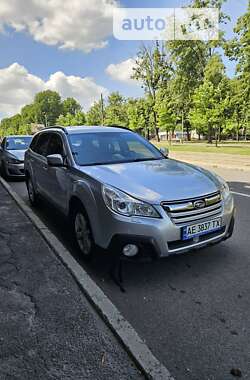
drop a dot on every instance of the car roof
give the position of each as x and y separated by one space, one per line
17 136
86 129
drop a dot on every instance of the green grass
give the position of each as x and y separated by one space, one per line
226 148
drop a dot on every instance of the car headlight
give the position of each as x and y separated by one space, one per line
124 204
12 160
224 188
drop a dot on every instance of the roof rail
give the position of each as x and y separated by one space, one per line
58 127
117 126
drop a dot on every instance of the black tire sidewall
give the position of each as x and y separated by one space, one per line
73 218
33 202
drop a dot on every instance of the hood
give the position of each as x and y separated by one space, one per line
18 154
156 181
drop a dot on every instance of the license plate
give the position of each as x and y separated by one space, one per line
189 232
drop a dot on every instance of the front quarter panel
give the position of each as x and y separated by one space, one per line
87 190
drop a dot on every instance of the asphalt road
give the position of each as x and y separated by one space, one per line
193 309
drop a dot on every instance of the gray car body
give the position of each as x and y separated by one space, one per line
151 181
12 170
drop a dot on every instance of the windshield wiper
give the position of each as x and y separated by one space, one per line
122 161
147 159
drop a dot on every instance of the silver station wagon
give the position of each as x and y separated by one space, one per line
124 195
12 151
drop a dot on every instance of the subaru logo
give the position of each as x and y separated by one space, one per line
199 204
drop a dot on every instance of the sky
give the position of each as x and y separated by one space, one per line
68 46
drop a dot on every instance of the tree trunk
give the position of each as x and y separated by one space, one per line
167 134
182 126
209 135
219 134
216 138
156 128
187 129
238 131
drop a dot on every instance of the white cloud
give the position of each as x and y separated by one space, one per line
69 24
122 71
18 87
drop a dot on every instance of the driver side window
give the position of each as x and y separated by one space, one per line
55 145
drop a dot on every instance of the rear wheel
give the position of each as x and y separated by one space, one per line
33 197
82 233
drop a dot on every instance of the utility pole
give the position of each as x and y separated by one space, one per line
182 126
102 110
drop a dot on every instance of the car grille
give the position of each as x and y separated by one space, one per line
192 210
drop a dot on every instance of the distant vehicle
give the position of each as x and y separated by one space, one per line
12 151
121 193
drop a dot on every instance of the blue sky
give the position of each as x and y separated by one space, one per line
42 60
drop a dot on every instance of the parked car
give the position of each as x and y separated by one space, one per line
121 193
12 151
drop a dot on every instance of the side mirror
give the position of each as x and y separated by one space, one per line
55 160
165 152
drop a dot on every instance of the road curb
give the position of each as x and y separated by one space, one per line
128 337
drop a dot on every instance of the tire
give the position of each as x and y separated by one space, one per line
82 233
33 197
4 171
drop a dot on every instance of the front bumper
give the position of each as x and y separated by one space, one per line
158 238
15 170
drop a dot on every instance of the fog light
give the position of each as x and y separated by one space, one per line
130 250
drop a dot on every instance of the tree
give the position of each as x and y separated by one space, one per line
165 107
10 126
29 114
209 99
115 111
94 114
49 107
72 120
71 106
138 115
238 49
152 71
189 60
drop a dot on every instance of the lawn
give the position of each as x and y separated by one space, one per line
242 148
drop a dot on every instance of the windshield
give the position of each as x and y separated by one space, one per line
18 143
111 148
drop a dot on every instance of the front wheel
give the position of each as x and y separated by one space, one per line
83 234
4 173
33 198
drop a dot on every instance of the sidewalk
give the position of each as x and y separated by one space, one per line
48 330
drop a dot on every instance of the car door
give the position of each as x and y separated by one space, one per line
57 178
38 162
2 151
